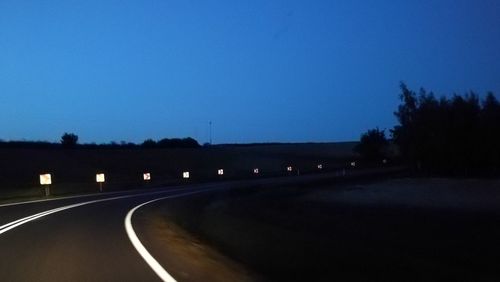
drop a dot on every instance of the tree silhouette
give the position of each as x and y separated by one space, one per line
490 131
372 145
171 143
69 140
149 143
457 135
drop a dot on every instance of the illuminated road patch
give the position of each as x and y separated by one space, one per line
150 260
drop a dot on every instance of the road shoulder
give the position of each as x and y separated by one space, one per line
184 256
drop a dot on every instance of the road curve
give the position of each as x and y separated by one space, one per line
84 238
78 239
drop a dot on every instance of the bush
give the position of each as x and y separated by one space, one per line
69 140
149 143
171 143
372 145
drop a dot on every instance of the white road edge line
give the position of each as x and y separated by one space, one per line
128 192
21 220
150 260
175 188
11 225
59 198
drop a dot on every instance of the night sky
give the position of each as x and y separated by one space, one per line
261 71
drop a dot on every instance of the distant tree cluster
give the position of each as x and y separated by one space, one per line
458 135
29 145
171 143
70 140
373 145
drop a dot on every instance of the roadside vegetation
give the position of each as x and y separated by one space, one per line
70 140
373 145
449 136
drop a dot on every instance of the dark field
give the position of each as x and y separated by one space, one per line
394 230
73 170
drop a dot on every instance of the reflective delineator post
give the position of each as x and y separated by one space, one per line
99 178
45 181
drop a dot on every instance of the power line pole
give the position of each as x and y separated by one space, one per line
210 130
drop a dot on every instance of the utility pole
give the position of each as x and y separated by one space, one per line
210 130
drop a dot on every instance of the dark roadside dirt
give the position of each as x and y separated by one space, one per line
286 234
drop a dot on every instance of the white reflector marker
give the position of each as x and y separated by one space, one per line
320 166
289 168
256 171
185 174
353 164
99 178
220 171
45 179
147 176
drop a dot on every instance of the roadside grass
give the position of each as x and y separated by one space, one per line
317 234
179 250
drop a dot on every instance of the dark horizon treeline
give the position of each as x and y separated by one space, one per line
72 142
457 136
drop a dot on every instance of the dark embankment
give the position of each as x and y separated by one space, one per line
397 230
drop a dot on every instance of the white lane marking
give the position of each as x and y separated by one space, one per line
11 225
165 189
150 260
79 196
20 220
6 227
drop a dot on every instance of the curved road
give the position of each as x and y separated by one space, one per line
91 237
81 238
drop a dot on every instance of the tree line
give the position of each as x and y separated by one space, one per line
457 135
70 140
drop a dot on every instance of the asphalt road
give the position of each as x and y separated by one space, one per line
85 238
86 241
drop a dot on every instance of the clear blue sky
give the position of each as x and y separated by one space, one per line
261 71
